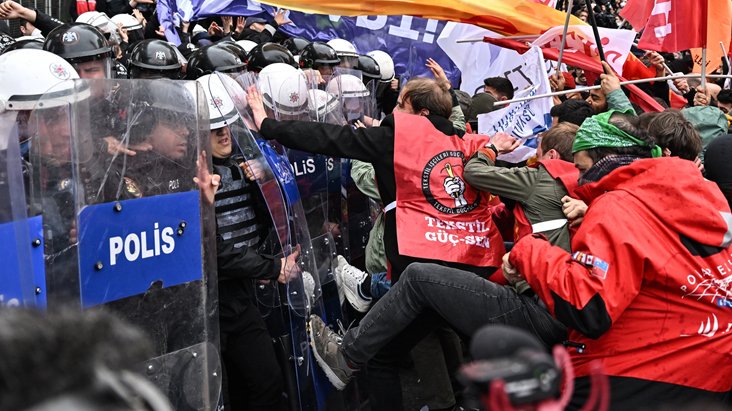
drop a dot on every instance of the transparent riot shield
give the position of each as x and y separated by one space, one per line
303 290
129 231
359 108
22 280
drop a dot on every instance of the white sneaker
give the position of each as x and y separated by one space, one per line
349 279
309 287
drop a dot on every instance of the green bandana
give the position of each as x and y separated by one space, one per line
596 131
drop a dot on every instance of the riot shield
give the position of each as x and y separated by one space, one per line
22 281
359 107
302 292
130 232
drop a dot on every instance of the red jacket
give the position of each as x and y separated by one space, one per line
648 286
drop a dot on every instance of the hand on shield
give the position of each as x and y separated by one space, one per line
252 169
254 99
290 269
208 183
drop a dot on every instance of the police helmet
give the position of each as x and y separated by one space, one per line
284 89
370 69
295 45
386 64
224 57
21 89
318 54
269 53
222 111
153 58
35 43
77 42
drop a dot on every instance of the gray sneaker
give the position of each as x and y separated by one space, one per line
327 351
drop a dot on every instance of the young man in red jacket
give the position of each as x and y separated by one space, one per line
646 289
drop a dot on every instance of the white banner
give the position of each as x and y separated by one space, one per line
615 43
524 119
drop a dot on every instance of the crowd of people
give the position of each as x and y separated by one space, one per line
614 239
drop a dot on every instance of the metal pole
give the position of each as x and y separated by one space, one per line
704 68
480 40
564 36
622 83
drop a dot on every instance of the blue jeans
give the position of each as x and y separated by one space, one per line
379 285
428 296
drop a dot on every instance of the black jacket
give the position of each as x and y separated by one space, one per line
373 145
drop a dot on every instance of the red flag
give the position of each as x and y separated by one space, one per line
637 12
585 62
675 25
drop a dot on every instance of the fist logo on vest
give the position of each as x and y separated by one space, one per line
443 186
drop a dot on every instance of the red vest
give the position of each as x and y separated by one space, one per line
440 217
83 6
561 170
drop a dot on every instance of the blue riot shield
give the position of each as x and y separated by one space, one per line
126 228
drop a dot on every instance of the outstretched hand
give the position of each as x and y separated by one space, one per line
437 71
254 99
208 183
505 143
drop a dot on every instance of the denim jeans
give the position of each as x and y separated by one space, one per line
429 296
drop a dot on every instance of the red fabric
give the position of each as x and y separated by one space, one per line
83 6
561 170
634 69
636 12
669 302
587 63
431 223
675 25
677 101
568 80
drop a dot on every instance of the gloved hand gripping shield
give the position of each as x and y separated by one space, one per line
129 231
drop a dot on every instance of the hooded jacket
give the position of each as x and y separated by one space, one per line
647 287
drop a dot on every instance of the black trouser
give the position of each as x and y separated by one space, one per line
253 376
428 296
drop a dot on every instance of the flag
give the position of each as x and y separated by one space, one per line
636 12
718 29
675 25
590 65
477 61
507 17
615 43
548 3
524 119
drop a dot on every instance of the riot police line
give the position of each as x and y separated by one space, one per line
100 208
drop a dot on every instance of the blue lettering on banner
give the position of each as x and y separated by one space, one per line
22 264
150 240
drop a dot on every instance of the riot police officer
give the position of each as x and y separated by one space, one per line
223 56
268 53
319 56
84 46
153 58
